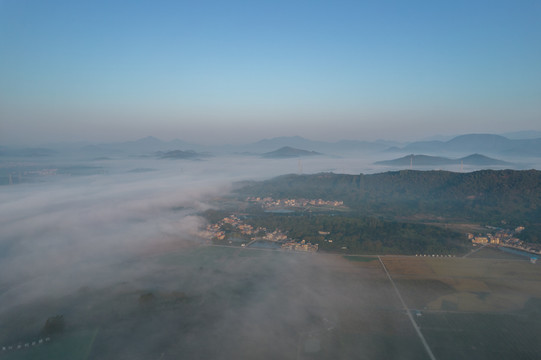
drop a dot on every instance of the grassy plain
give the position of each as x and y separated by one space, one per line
207 302
490 308
210 302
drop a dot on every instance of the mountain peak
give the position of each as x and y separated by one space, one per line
289 152
148 140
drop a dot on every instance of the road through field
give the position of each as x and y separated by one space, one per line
474 251
415 326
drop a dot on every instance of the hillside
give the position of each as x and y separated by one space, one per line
417 160
180 154
483 196
426 160
485 143
288 152
481 160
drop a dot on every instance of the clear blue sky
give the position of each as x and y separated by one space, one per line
237 71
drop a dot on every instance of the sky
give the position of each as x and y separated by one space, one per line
217 72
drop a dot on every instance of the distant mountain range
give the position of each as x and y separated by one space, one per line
463 144
144 146
479 143
289 152
179 154
26 152
530 134
471 143
341 146
426 160
150 144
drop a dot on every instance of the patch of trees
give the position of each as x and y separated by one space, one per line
364 234
53 325
532 234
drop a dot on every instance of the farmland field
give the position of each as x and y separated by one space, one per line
490 308
203 302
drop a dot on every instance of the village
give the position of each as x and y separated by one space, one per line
270 203
505 238
233 231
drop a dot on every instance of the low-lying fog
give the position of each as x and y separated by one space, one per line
61 233
81 222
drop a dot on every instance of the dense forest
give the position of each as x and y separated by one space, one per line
357 235
532 234
493 197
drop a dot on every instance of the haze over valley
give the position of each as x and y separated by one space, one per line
270 180
112 238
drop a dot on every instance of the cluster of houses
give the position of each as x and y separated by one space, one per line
276 235
219 232
507 238
302 246
270 203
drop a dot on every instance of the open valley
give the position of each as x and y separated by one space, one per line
226 302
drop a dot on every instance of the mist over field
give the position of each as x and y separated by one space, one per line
91 246
105 246
63 232
112 244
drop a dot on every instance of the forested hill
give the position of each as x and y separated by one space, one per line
490 196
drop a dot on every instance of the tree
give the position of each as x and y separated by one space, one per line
53 325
